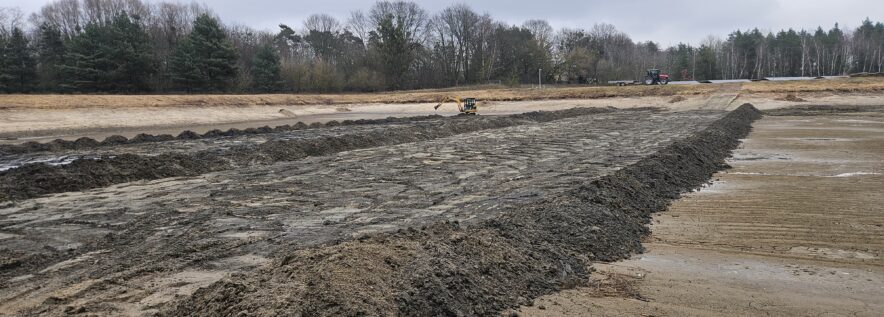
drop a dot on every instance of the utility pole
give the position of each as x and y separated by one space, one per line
539 81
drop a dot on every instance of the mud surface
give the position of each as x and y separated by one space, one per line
451 269
29 175
465 223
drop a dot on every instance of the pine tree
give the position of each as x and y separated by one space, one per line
265 71
706 65
19 72
396 53
3 41
115 57
51 51
205 60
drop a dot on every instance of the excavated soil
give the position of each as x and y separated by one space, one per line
32 180
469 217
449 269
115 140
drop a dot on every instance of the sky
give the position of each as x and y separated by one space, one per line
666 22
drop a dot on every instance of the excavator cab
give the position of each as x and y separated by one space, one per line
469 106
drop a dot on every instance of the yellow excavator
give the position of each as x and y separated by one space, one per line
466 106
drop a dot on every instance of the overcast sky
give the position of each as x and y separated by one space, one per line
664 21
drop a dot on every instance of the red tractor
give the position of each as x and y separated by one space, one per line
655 77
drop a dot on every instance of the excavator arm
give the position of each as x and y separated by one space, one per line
450 99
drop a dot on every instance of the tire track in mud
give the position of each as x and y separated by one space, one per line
39 179
480 269
144 232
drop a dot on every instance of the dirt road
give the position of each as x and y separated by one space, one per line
794 229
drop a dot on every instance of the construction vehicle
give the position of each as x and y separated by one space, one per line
655 77
652 77
466 106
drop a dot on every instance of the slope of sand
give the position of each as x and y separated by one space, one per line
794 229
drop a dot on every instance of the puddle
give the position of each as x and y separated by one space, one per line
48 160
757 157
854 174
860 121
746 173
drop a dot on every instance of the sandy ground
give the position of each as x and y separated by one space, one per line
47 124
34 118
795 228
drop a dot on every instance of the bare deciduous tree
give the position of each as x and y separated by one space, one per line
10 18
414 19
322 23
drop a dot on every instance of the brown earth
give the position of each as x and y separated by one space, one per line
794 229
135 248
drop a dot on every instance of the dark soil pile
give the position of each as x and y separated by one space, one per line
452 269
39 179
792 98
88 143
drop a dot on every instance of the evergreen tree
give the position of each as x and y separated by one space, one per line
19 72
51 51
396 56
205 60
682 67
114 57
706 65
2 61
266 70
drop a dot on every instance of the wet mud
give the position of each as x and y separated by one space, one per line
33 180
481 269
470 216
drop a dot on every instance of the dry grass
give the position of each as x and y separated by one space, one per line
485 93
845 85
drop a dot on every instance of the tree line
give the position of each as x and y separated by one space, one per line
134 46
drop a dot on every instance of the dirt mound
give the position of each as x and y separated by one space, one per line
40 179
88 143
790 97
677 99
453 269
